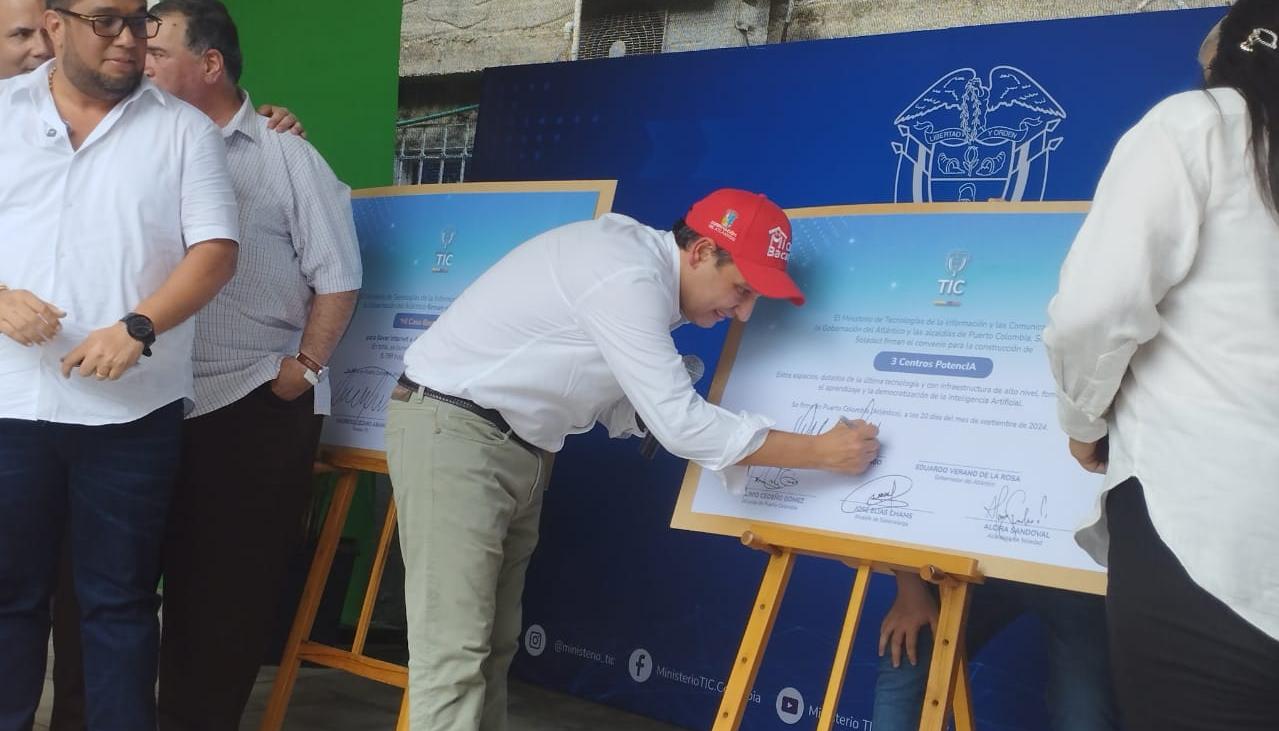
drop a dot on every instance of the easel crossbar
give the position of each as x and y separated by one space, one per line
879 555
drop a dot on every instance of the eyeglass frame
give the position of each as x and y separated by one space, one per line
146 19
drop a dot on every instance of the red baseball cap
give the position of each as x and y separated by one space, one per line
756 232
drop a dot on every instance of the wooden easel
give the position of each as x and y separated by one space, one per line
349 463
947 678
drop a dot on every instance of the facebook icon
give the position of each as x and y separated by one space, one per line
641 665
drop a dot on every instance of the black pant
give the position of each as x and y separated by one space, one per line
237 511
1183 660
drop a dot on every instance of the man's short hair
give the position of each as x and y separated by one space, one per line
209 26
685 236
58 4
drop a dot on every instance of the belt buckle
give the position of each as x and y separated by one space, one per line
400 393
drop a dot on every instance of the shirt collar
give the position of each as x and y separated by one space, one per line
244 121
148 87
32 82
668 238
36 85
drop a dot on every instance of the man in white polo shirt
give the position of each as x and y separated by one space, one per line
571 328
249 446
120 223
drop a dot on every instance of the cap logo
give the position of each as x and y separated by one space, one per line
724 226
778 244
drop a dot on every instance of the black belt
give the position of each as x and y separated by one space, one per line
492 416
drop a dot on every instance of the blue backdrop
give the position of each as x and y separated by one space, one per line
623 609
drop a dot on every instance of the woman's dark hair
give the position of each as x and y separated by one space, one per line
1255 75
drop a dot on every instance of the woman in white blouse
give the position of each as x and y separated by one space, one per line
1164 340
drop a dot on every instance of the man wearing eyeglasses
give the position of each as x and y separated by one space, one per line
24 45
120 222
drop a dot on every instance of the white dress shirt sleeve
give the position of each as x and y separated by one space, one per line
209 210
1139 240
628 317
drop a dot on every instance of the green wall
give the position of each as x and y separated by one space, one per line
336 65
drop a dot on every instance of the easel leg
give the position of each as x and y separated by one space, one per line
947 649
844 650
754 640
402 724
325 550
375 581
963 703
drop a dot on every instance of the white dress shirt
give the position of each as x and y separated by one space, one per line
573 328
297 241
95 231
1165 335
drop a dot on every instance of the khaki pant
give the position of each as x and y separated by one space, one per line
469 498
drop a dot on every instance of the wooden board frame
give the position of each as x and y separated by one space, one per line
992 566
371 460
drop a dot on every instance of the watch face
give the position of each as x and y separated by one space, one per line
138 329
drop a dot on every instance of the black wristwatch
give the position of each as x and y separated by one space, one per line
141 329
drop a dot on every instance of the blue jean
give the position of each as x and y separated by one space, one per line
109 486
1079 695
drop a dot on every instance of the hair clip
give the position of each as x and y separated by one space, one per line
1264 36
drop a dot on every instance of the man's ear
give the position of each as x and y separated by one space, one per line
54 28
214 65
701 251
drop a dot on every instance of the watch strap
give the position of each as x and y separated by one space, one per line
309 362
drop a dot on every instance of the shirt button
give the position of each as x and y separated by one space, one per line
50 133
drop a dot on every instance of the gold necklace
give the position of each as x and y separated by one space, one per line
65 123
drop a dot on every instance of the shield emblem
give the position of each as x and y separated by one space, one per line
973 172
964 140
